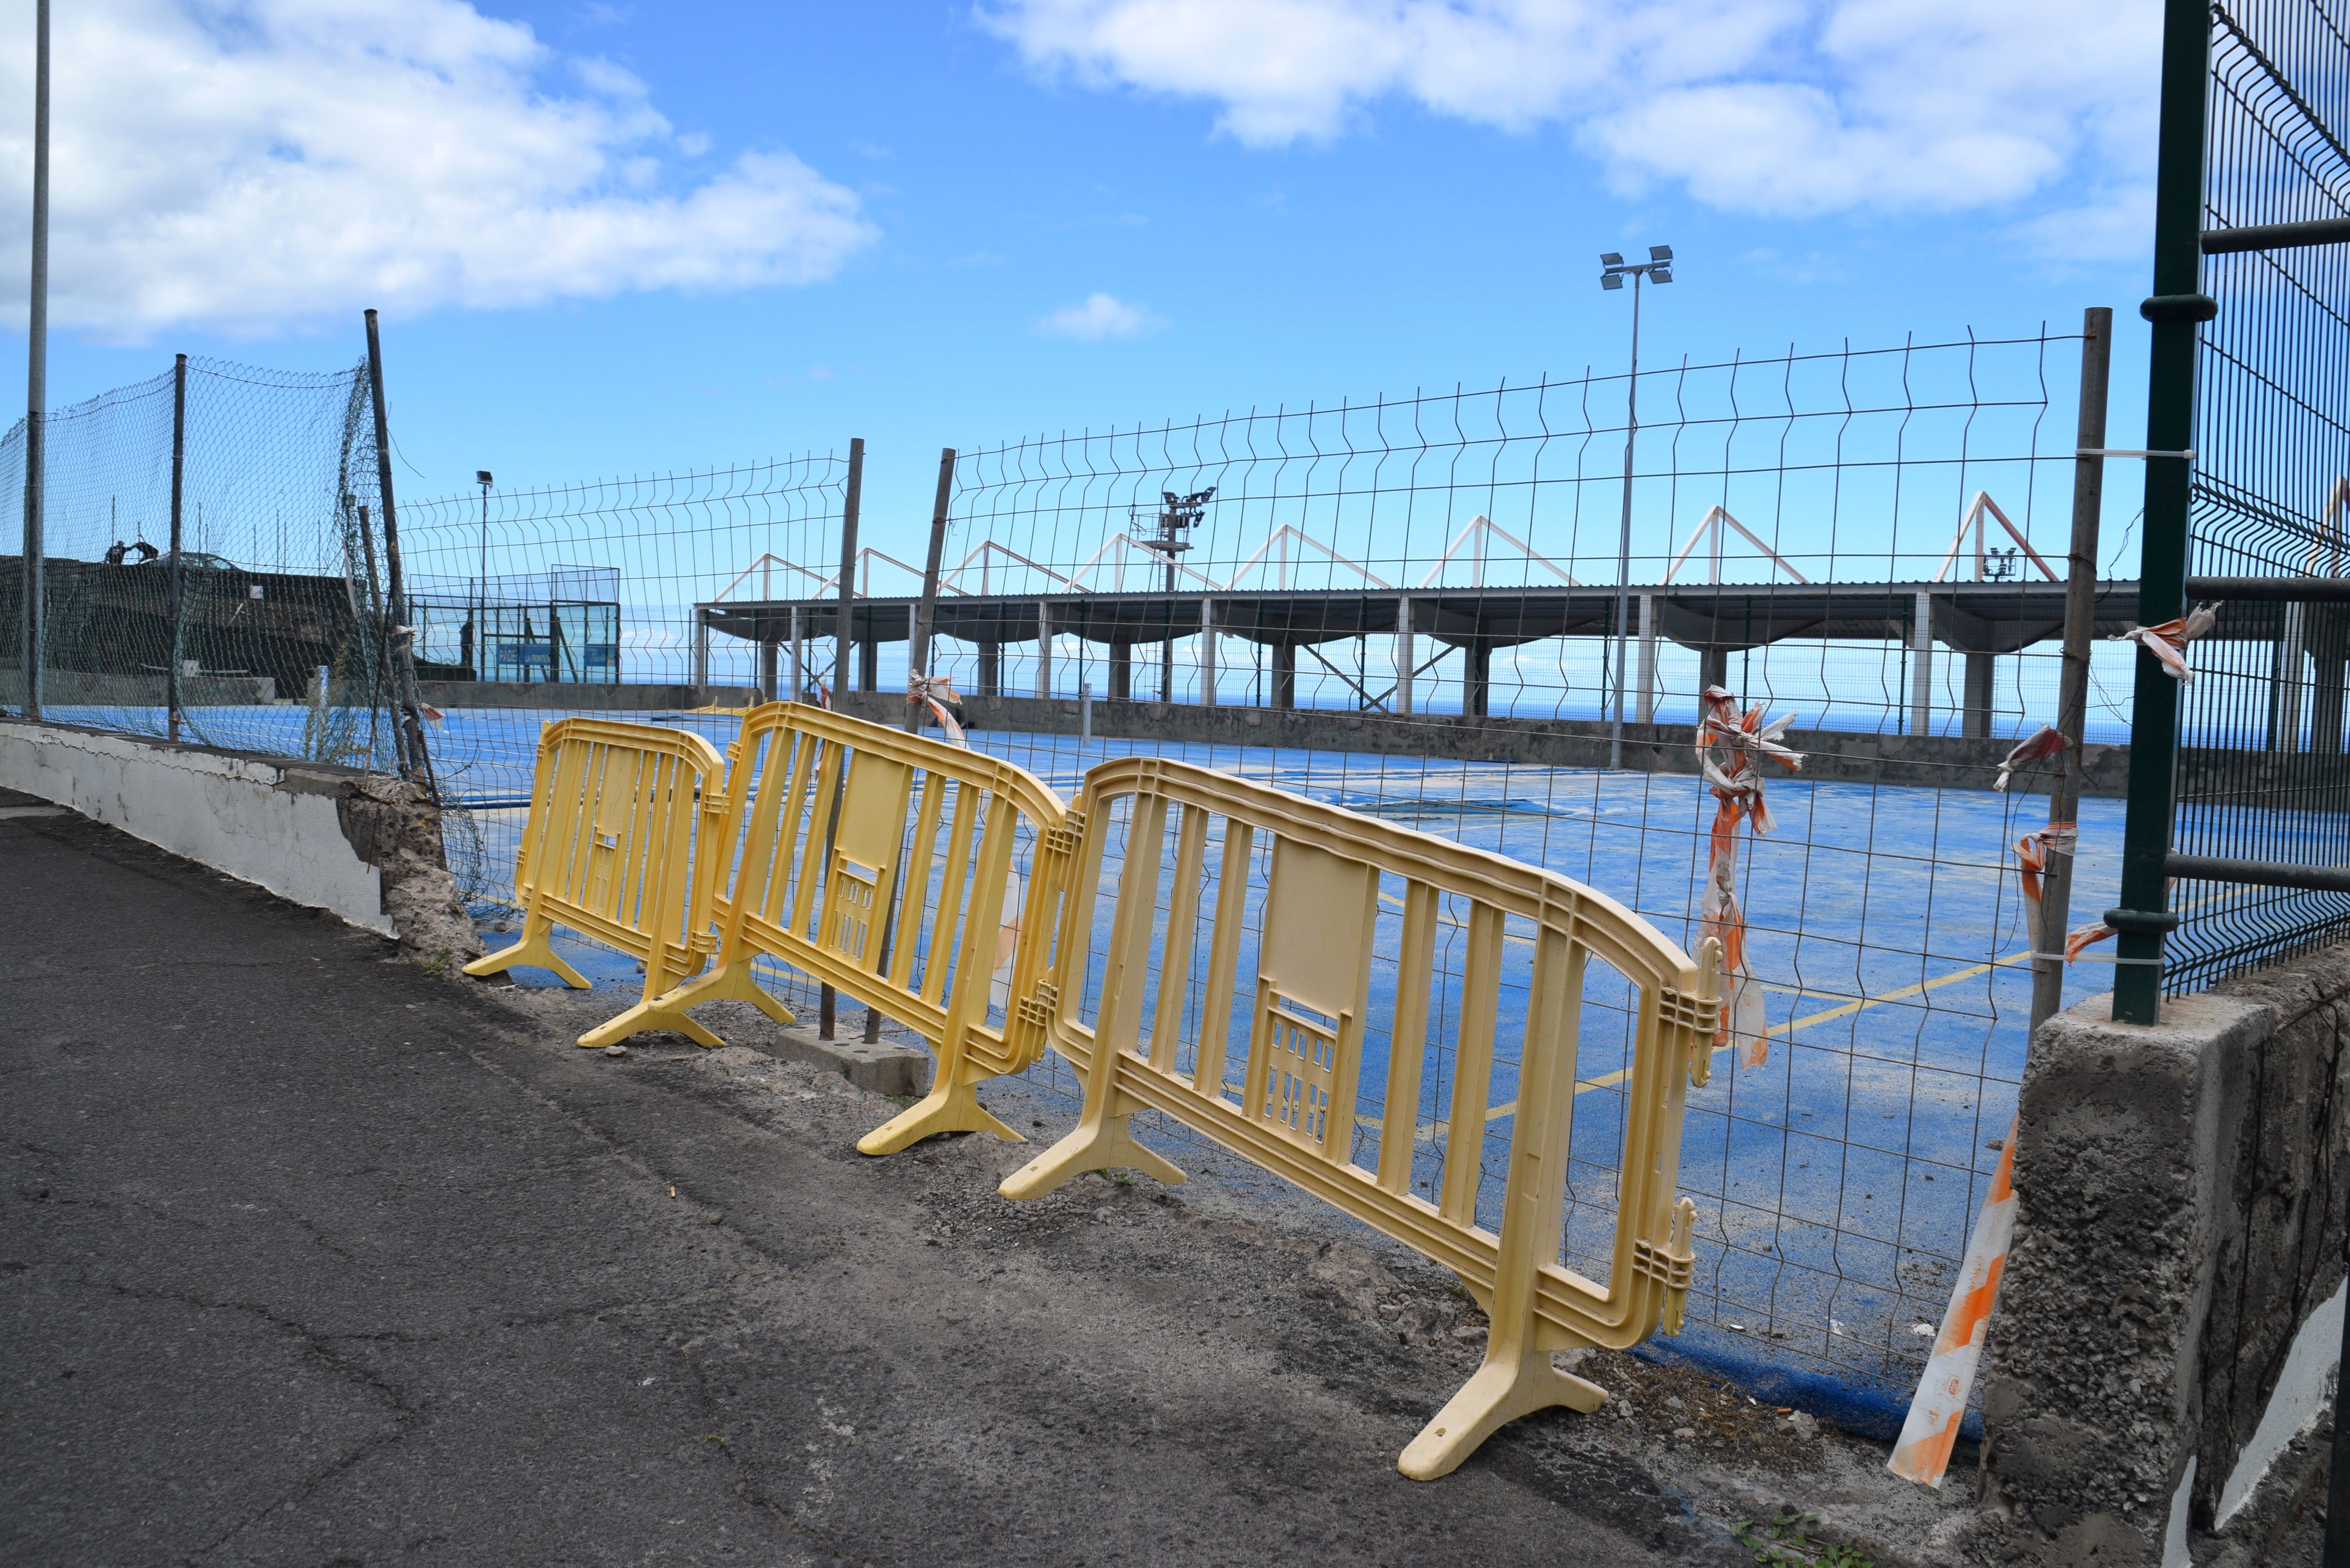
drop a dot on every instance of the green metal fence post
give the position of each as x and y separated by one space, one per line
2177 307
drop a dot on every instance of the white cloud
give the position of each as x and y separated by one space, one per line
247 164
1782 107
1099 316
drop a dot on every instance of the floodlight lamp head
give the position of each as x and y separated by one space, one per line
1611 280
1611 258
482 476
1660 275
1168 497
1660 253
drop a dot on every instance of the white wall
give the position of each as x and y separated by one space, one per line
268 823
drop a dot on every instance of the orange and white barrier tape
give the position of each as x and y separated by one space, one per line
1923 1453
2046 742
934 690
1739 788
2032 853
2167 642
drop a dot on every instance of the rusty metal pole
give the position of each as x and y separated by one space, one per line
2073 682
827 1001
917 646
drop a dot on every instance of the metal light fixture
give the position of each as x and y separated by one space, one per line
1658 269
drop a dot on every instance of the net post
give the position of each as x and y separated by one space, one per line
413 758
2073 680
173 586
2176 309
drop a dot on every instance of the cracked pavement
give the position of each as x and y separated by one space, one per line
314 1257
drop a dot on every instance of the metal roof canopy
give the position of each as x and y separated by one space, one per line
1974 618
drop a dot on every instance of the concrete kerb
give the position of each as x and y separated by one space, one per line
364 847
2154 1368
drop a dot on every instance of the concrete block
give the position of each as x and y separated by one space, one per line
2177 1232
885 1068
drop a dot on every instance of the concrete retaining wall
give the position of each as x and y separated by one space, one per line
580 697
365 849
2172 1309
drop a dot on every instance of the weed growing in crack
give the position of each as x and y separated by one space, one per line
1786 1542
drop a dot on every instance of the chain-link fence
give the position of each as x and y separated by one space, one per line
213 564
532 603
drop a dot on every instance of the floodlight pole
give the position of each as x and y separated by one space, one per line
481 582
37 366
1624 535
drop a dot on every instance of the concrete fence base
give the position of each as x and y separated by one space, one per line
361 847
2162 1361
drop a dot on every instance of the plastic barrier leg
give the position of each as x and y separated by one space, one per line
727 982
1515 1380
1097 1144
951 1105
534 949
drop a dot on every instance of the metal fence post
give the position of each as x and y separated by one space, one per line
827 1001
413 758
2177 307
917 646
36 372
2073 682
174 588
847 578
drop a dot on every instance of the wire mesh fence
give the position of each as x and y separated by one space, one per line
1455 611
243 607
2261 773
534 603
1409 607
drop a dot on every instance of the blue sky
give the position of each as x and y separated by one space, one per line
611 239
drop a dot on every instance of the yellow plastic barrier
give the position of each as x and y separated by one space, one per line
611 849
1311 1011
827 879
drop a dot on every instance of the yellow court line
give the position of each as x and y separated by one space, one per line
1586 1085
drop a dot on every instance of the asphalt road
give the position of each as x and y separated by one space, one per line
314 1257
